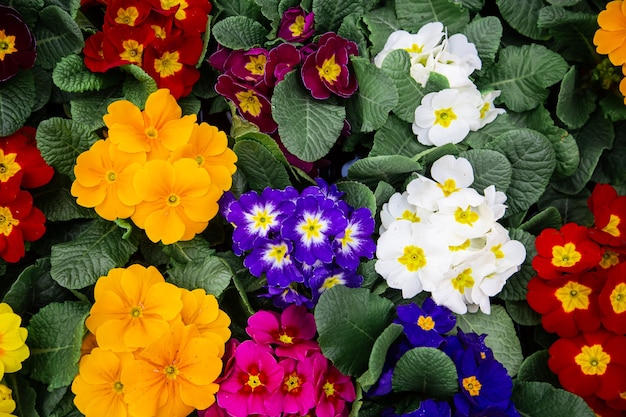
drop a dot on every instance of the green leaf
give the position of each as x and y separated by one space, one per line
540 399
369 106
485 33
392 169
70 6
90 108
349 321
239 32
515 288
395 137
524 73
23 395
55 335
269 9
549 217
43 87
358 195
381 22
57 35
61 141
237 8
522 16
575 102
379 355
351 29
596 136
501 336
260 167
610 168
29 9
71 75
413 14
522 314
17 99
58 204
138 87
427 371
535 368
208 272
613 107
490 168
397 65
80 262
330 13
490 132
572 32
307 127
573 208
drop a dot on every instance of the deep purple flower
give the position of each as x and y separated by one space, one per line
355 241
324 278
17 44
425 326
280 61
274 258
296 25
218 58
323 189
284 297
326 72
457 344
248 66
427 408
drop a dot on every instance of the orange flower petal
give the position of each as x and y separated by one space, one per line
161 107
618 55
87 196
165 226
123 112
175 133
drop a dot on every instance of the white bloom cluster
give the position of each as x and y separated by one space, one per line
445 116
442 236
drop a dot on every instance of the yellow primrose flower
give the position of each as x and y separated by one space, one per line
104 180
7 404
209 147
98 387
132 308
13 349
202 311
157 130
178 200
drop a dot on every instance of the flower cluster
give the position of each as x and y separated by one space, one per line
17 43
580 292
484 386
157 350
13 351
21 168
281 371
609 38
164 171
442 236
164 38
448 115
313 238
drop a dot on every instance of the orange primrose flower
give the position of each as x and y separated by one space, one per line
202 311
610 39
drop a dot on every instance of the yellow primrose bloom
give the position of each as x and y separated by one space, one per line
104 180
7 404
98 387
178 200
173 375
132 308
157 130
202 311
13 349
208 146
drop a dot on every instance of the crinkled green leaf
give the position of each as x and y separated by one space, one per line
549 217
535 368
381 22
392 169
490 132
260 167
573 208
189 105
71 75
349 321
522 16
395 137
23 395
564 2
427 371
490 168
522 314
613 107
43 87
523 74
540 399
515 288
17 98
413 14
383 193
485 33
473 5
58 204
330 13
55 336
369 106
70 6
138 87
208 272
237 8
307 127
57 35
29 9
501 336
90 108
80 262
575 103
572 32
610 168
269 9
379 354
351 29
239 32
358 195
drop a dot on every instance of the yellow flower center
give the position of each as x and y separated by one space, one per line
415 49
565 256
347 238
132 51
484 109
136 312
173 200
262 220
472 385
159 31
285 338
463 280
249 102
256 65
609 259
312 228
152 133
593 360
7 44
168 4
110 176
331 282
409 215
573 295
279 253
292 382
118 387
466 216
171 371
297 27
254 381
8 166
200 160
168 64
328 388
7 221
127 16
329 70
497 250
460 247
611 227
181 13
426 323
444 117
618 298
448 187
413 258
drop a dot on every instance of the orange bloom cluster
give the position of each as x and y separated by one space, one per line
164 37
610 39
163 170
158 348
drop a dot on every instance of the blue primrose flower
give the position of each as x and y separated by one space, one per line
325 277
427 408
457 344
355 240
274 258
283 297
425 326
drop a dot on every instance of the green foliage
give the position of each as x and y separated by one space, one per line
260 167
239 32
516 286
522 16
330 13
379 355
575 103
413 14
17 99
71 75
58 35
392 169
541 399
395 137
429 372
490 168
358 195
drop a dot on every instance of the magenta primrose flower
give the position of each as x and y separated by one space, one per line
296 25
335 389
299 390
280 61
326 72
249 65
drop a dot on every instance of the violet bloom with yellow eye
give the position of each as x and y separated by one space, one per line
296 25
425 326
17 44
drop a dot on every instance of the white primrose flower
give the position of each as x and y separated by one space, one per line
418 45
458 60
398 208
510 254
408 256
488 112
446 116
420 69
463 221
495 200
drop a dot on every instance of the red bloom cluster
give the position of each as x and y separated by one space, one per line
21 166
164 37
580 291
